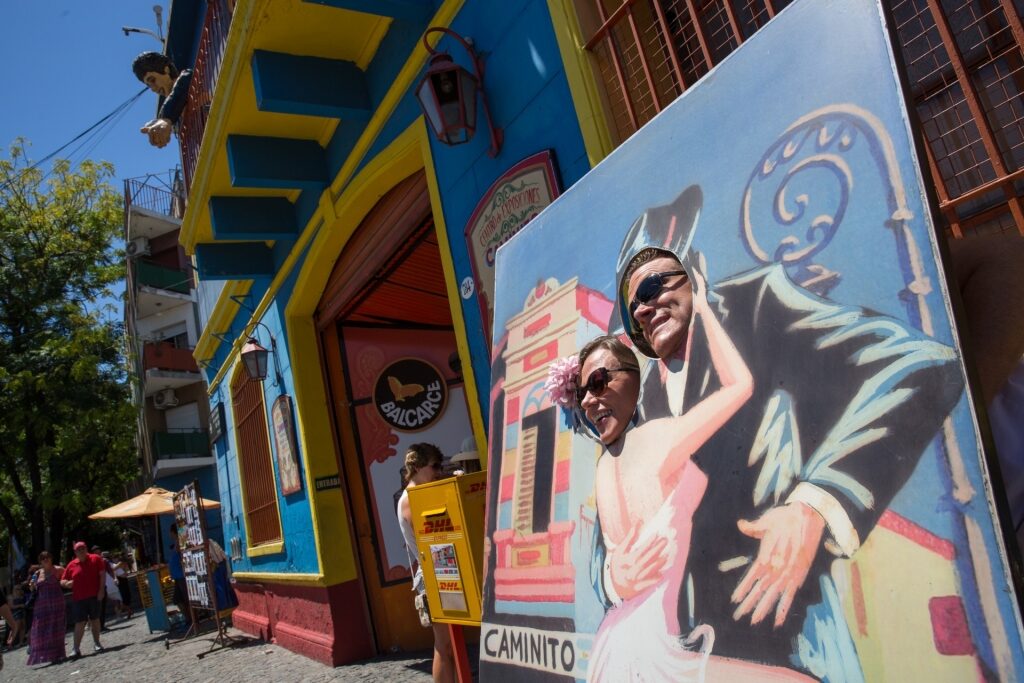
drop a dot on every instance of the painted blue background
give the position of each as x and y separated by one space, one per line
715 136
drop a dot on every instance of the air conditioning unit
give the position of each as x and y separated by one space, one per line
137 247
165 398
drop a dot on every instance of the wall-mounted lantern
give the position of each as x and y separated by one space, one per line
254 357
447 95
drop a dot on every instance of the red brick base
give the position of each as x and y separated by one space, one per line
313 621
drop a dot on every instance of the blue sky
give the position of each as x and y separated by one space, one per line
66 65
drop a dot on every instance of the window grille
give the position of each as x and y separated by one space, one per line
963 62
259 486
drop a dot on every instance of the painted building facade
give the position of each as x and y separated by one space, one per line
327 223
162 325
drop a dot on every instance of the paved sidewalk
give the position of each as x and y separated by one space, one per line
133 654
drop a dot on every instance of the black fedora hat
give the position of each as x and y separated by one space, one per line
667 228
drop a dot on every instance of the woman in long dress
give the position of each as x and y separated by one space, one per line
46 640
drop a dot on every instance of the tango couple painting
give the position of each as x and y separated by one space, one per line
731 438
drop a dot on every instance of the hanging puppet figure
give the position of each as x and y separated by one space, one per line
160 75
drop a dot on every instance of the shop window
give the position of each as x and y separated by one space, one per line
259 487
963 61
176 335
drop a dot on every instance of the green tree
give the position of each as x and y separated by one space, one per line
66 419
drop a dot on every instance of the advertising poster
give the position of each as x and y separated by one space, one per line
403 392
192 546
771 470
284 445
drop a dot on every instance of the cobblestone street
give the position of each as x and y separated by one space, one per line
133 654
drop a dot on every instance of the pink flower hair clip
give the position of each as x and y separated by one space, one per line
563 376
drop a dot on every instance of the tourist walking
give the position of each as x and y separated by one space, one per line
16 628
121 569
112 592
84 576
46 639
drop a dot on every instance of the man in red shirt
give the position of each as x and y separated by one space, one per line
84 576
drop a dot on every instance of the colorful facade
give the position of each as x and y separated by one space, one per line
326 222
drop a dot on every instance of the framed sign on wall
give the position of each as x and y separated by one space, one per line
284 442
512 201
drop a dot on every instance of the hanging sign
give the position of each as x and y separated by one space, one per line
512 201
410 394
217 422
284 441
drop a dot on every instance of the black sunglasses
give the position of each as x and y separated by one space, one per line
651 287
598 382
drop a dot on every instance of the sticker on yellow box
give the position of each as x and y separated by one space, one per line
446 573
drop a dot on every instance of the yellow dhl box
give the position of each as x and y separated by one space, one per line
448 519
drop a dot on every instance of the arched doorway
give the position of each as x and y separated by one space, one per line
391 362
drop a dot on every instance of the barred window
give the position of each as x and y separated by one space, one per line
963 61
259 488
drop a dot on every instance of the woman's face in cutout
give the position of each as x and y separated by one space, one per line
611 410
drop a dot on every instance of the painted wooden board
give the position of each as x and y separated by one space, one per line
801 492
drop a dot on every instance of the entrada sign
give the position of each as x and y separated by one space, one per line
410 394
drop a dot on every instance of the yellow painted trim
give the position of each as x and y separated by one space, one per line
220 319
410 70
583 85
337 559
261 308
311 579
216 122
264 549
233 63
476 417
362 61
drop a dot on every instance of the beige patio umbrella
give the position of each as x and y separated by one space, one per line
152 501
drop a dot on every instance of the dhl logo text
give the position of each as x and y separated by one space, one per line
436 526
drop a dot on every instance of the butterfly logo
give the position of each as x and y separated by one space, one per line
403 391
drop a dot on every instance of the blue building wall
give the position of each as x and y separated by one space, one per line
529 98
299 552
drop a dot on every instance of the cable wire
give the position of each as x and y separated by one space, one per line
120 109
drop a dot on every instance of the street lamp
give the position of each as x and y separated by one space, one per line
254 358
447 95
158 34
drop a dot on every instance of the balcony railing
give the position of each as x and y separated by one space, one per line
142 193
167 356
161 277
181 444
204 79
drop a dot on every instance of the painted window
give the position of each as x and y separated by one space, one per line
962 60
259 488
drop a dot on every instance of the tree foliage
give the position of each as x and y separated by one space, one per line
66 418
